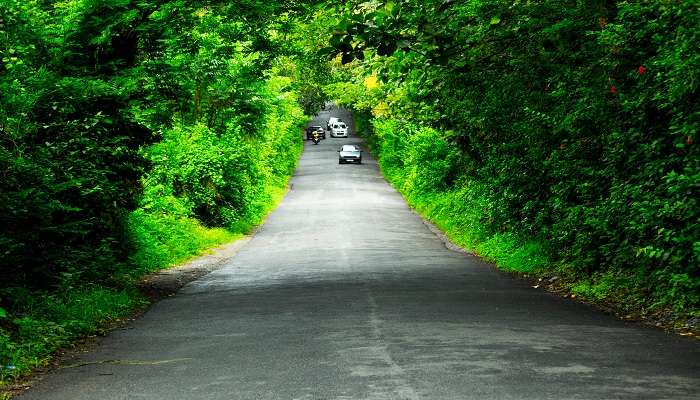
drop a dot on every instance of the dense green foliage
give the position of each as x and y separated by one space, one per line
567 130
133 135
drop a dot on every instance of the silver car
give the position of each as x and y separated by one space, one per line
350 153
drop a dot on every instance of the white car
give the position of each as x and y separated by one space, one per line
350 153
339 129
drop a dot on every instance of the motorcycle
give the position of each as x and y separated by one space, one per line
316 137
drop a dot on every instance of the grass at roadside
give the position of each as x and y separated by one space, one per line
49 321
461 221
164 240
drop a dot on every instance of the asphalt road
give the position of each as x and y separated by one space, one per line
345 294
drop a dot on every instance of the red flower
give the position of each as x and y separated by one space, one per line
613 89
641 70
689 140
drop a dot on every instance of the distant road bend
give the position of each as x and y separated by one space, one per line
345 294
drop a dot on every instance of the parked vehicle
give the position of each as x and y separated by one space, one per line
350 153
339 129
315 128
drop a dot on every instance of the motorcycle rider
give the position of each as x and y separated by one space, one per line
316 137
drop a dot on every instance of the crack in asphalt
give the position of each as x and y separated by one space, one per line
124 362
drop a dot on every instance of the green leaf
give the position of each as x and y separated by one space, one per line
495 20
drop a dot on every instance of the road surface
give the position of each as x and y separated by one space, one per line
345 294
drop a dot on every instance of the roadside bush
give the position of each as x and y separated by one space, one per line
160 239
216 174
70 162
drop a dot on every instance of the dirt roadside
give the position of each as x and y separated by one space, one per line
167 282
